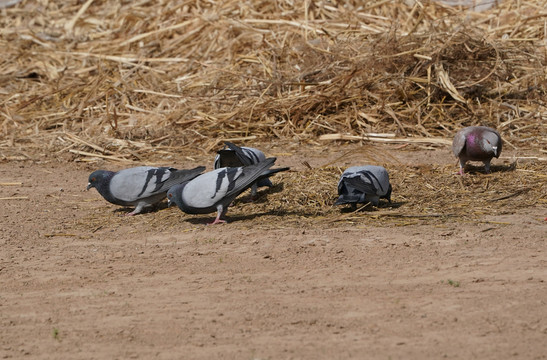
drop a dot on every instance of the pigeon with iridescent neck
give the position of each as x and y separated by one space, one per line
476 143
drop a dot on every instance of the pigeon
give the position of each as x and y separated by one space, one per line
215 190
139 186
362 184
476 143
235 156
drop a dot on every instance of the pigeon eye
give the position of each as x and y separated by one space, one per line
169 196
93 179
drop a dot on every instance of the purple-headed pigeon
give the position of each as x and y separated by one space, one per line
476 143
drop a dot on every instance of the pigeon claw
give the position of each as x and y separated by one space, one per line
217 221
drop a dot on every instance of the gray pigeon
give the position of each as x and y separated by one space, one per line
215 190
476 143
139 186
235 156
362 184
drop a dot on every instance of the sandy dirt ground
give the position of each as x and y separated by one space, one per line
79 280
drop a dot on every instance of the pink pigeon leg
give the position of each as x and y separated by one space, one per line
218 220
137 210
462 165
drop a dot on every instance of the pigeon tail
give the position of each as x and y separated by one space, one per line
270 172
388 195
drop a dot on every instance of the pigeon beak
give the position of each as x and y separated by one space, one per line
169 203
89 186
495 148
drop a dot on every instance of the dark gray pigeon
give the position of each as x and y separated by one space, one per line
139 186
362 184
215 190
476 143
235 156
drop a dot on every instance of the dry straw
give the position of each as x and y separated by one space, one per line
132 81
422 195
143 81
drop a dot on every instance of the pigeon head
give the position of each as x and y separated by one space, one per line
99 179
174 195
490 143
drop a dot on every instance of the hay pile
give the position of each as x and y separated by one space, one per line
137 80
426 194
421 194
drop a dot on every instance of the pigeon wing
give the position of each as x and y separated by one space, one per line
500 144
221 185
144 181
345 197
178 177
459 142
137 183
248 175
358 183
253 154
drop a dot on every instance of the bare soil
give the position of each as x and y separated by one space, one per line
79 280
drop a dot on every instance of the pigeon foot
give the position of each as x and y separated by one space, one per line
217 221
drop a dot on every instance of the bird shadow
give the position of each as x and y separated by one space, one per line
478 169
125 210
203 220
368 207
262 195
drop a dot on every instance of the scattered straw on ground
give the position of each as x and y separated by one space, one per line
134 81
421 195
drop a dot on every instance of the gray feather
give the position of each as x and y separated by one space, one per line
360 184
235 156
139 186
477 143
217 189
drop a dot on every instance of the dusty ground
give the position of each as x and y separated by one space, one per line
78 280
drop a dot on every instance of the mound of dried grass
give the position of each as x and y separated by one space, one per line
137 80
426 193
